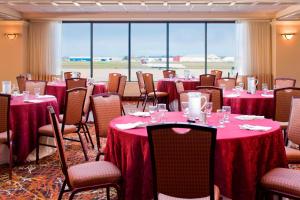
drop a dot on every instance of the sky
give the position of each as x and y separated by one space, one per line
148 39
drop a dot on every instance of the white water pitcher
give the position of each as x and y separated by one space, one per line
196 105
252 83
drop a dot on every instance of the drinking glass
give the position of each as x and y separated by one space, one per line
220 114
37 91
208 108
222 86
185 108
26 95
15 89
153 113
170 76
238 90
264 87
161 106
241 84
227 112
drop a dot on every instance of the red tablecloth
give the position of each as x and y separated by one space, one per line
25 119
59 91
168 85
250 104
242 157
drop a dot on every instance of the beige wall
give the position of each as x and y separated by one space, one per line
13 53
286 53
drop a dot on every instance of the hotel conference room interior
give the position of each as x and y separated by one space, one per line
150 99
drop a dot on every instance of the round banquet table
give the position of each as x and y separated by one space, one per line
168 85
242 157
25 119
58 89
249 104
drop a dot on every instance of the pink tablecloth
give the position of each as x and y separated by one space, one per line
249 104
168 85
242 157
25 119
59 91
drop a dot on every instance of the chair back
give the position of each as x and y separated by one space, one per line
4 114
284 83
184 97
216 96
149 84
167 73
207 80
229 83
217 73
105 107
122 85
72 83
73 110
69 75
179 86
31 84
282 102
182 163
59 142
113 82
293 129
21 80
139 75
89 93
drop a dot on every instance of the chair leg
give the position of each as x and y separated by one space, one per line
138 103
286 139
145 103
119 192
72 195
98 156
37 149
89 135
62 190
84 132
83 145
107 193
10 159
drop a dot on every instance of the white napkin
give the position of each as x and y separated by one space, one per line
232 95
267 95
140 114
130 125
45 96
249 117
254 128
33 101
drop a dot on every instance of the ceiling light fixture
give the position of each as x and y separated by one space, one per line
120 4
287 36
165 3
98 4
143 3
11 36
188 3
54 4
210 4
10 3
232 3
76 4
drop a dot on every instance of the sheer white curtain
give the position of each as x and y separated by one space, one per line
44 49
253 49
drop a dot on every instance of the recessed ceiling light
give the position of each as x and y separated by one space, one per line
143 3
210 4
54 4
10 3
232 3
188 3
120 4
76 4
98 4
165 3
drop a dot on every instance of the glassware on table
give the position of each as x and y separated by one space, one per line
222 86
37 91
14 89
171 76
153 113
203 118
162 115
161 106
6 87
185 108
264 87
208 108
26 95
220 115
238 90
241 84
227 112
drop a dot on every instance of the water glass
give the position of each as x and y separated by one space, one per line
153 113
170 76
222 86
227 112
185 108
241 84
238 90
220 115
264 87
37 91
162 115
161 106
26 95
15 89
208 108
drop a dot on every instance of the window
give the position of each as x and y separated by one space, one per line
187 48
221 47
148 49
110 49
76 48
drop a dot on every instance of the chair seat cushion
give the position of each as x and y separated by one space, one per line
293 155
93 173
166 197
3 137
158 94
282 180
47 129
283 125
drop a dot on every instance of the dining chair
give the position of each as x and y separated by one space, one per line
69 75
21 80
113 82
282 182
142 89
85 176
31 84
169 72
72 83
184 173
6 134
121 90
71 122
293 132
284 82
217 73
105 107
229 83
151 93
207 80
179 87
282 105
184 97
216 96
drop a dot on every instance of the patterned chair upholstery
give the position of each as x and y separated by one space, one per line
229 83
168 72
207 80
216 96
72 83
31 84
139 75
113 82
284 82
21 80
